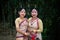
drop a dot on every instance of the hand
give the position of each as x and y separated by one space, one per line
34 31
30 30
27 34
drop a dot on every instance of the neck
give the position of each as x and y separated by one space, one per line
34 17
21 17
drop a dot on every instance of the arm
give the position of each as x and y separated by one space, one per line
17 27
40 26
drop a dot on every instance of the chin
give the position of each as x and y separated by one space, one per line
22 17
34 16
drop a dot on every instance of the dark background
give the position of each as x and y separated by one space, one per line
47 9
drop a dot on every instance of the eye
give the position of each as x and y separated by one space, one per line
21 11
34 12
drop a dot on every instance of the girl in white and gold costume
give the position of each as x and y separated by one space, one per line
35 25
21 26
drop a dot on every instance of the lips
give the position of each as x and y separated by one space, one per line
33 15
22 14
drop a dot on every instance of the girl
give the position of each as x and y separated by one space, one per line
21 26
35 26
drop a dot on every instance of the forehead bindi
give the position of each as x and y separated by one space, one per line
34 11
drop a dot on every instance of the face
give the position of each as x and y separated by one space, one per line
34 13
22 13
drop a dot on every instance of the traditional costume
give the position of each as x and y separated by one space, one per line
23 24
35 25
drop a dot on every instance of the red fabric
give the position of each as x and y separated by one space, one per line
33 38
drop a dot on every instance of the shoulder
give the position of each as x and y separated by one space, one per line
29 18
26 19
39 20
17 19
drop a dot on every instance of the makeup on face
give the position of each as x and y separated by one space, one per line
34 12
22 13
